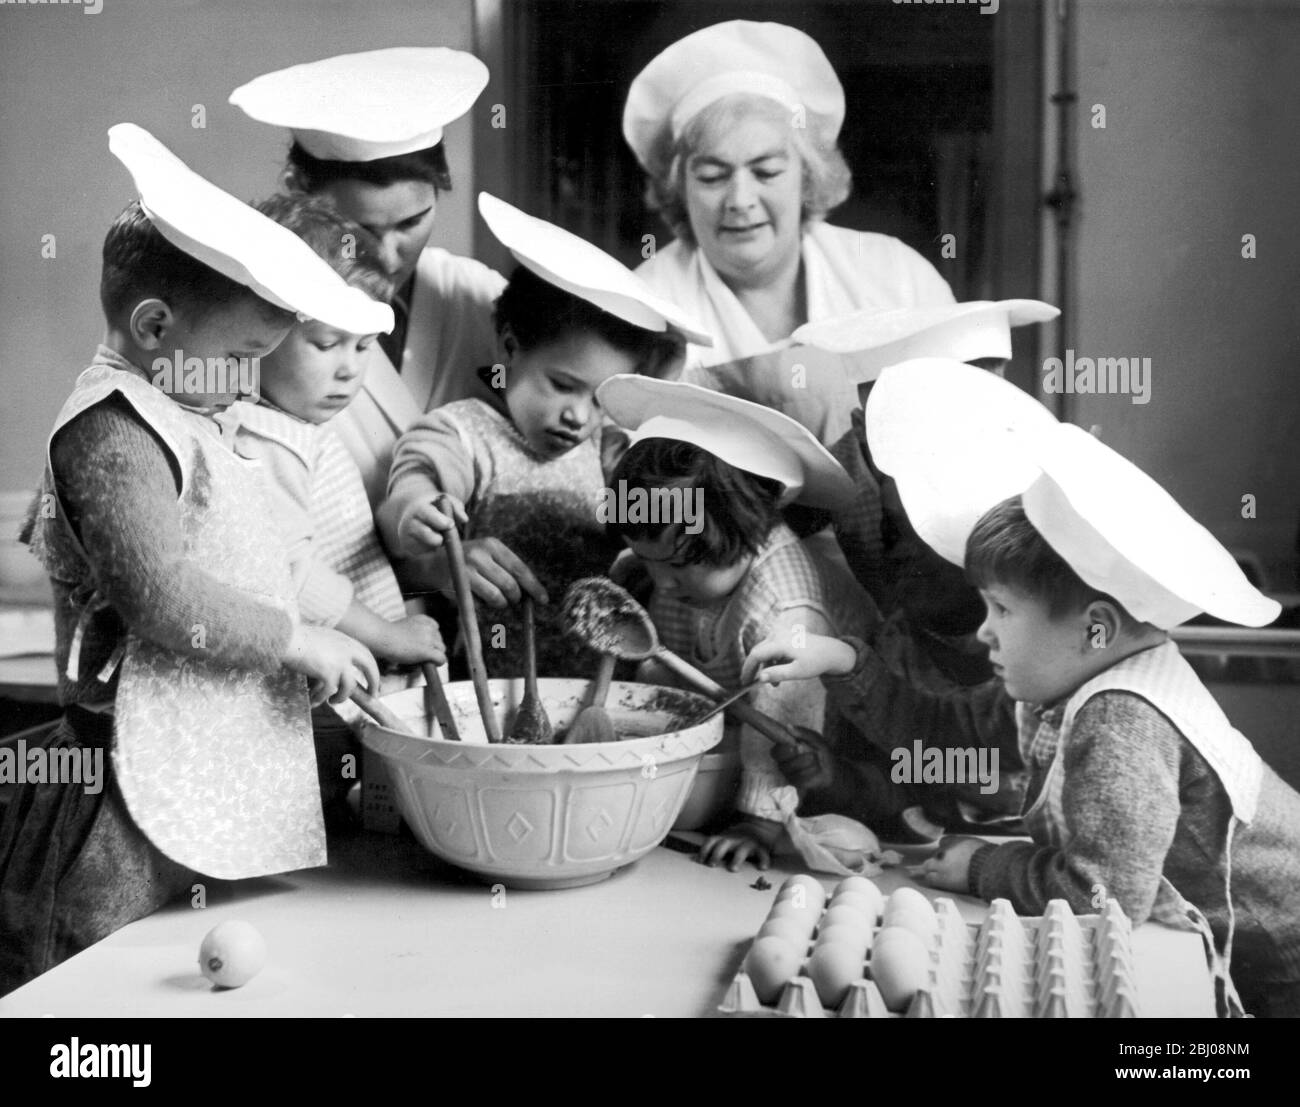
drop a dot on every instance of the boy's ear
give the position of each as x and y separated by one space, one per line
150 322
1103 621
509 343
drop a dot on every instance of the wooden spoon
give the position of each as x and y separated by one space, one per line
469 626
436 705
609 620
531 727
384 715
593 723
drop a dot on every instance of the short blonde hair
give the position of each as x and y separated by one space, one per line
827 179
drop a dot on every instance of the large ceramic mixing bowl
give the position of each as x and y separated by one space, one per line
553 816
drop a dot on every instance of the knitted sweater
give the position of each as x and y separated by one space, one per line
118 485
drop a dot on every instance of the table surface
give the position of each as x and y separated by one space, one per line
388 930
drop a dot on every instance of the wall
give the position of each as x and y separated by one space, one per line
1202 100
66 76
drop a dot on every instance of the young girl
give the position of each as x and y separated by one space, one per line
529 467
728 573
341 574
178 643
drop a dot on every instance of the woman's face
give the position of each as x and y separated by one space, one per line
744 194
400 215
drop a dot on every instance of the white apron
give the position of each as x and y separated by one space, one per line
216 765
1162 676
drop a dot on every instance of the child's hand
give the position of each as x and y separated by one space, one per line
497 576
413 641
809 766
333 663
791 656
752 838
949 868
426 520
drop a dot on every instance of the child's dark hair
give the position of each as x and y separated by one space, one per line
538 312
348 247
139 264
304 172
1005 548
740 509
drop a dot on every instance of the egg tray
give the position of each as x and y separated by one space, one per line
1058 965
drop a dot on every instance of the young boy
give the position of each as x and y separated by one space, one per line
178 643
341 575
1140 789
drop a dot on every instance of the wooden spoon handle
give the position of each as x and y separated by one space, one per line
441 708
530 649
751 716
469 626
604 675
384 715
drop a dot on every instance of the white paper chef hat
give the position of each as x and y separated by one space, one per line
747 435
958 441
239 242
767 59
375 104
584 270
964 332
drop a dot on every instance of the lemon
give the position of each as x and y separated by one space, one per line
232 954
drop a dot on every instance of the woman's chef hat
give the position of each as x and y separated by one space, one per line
958 441
765 59
362 107
239 242
743 434
586 271
964 332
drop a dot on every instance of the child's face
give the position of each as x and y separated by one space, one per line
316 371
1040 659
551 389
694 585
238 330
400 215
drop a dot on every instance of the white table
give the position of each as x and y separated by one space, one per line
387 930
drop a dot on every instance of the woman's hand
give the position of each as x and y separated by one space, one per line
413 641
497 576
792 655
334 664
949 868
752 838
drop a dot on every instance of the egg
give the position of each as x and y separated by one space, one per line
863 904
806 915
900 965
770 962
803 890
845 935
861 886
908 908
793 929
833 967
849 917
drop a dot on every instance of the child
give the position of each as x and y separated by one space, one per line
728 573
178 643
529 468
1140 788
341 575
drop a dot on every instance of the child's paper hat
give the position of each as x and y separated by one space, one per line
586 271
964 332
959 440
366 106
743 434
770 60
239 242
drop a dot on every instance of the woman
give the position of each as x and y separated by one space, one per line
736 126
367 134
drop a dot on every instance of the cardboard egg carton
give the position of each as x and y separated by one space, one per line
1058 965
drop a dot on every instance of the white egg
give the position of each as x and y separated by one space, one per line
832 968
794 929
900 965
908 908
770 962
846 915
858 901
803 890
